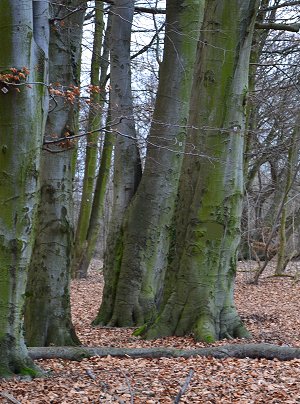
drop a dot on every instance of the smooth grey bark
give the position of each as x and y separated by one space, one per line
127 165
47 312
132 289
25 35
198 295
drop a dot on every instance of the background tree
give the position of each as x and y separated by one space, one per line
24 57
96 176
99 66
271 132
127 165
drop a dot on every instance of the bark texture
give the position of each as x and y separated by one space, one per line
127 167
240 351
24 32
198 295
47 312
98 206
133 287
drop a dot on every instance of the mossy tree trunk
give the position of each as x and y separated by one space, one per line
25 37
198 295
97 212
47 311
133 286
99 67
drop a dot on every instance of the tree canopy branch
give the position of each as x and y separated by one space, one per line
278 27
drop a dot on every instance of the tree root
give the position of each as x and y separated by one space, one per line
240 351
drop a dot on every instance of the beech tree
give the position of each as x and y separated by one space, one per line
48 313
198 295
24 29
133 283
127 165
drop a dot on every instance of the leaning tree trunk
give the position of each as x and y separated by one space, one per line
97 99
127 166
98 206
24 33
93 192
48 314
199 285
132 289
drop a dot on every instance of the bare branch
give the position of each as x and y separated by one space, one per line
278 27
137 9
286 4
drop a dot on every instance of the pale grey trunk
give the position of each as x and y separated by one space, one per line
47 314
127 167
132 290
24 32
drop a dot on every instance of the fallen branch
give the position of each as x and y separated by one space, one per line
253 351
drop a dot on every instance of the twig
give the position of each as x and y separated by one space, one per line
129 387
184 386
9 397
91 374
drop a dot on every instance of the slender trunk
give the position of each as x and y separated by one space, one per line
199 285
22 119
97 212
132 291
291 172
258 42
94 121
47 312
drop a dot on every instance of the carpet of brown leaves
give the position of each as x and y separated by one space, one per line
270 310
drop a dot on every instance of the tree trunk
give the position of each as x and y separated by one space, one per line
199 285
97 99
133 288
127 165
24 33
92 203
98 206
47 312
292 169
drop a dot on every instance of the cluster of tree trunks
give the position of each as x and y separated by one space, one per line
191 252
174 232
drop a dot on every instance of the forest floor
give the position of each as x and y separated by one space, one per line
270 311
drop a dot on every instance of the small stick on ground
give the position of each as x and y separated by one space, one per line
9 397
129 387
184 386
